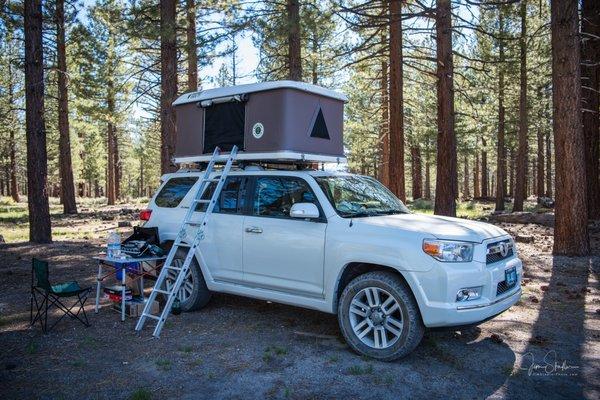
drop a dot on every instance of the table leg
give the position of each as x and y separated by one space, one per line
142 281
123 276
98 284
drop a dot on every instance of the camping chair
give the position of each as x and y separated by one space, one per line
45 295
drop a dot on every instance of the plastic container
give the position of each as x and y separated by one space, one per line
113 247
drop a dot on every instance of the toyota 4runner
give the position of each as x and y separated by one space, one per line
342 244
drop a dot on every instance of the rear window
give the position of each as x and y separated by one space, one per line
174 191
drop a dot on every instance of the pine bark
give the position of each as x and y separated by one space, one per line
446 177
501 149
37 162
67 187
294 41
484 170
427 173
168 83
12 143
192 53
570 230
384 133
466 190
590 71
417 172
117 163
540 164
396 132
549 193
520 189
476 183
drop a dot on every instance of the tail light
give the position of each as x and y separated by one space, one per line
145 214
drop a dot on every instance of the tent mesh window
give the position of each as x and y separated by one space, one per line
319 129
224 126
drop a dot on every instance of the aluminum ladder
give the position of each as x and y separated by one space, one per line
180 242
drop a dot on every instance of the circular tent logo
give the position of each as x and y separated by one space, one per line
258 130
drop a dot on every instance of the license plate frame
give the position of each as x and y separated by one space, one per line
510 277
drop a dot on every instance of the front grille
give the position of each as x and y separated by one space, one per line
495 250
503 288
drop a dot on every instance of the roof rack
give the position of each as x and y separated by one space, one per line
283 157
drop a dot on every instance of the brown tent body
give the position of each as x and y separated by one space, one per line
271 120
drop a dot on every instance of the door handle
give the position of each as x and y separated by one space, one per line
254 229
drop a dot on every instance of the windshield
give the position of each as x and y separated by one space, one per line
360 196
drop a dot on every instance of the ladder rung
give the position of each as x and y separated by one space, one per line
162 291
173 268
156 317
201 200
213 180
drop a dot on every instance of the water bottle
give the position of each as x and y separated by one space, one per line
114 245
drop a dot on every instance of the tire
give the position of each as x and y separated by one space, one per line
390 329
196 293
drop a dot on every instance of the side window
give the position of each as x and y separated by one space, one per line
229 201
174 191
274 196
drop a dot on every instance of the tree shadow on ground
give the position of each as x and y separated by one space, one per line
551 365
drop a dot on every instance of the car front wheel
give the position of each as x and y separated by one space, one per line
379 316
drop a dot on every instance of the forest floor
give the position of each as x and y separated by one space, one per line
546 346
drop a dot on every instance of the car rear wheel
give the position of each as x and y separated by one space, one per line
379 316
193 293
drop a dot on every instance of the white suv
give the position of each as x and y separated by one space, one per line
341 243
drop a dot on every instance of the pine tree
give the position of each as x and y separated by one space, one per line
37 190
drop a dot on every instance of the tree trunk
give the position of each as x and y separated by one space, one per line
476 183
12 143
117 164
384 128
396 165
110 166
417 172
168 83
192 53
484 170
427 173
570 229
511 173
590 71
67 187
37 162
500 149
294 41
534 173
141 189
540 164
466 191
446 180
520 189
549 166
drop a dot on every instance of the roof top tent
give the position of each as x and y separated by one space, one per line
269 121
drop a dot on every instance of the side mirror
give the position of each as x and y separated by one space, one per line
304 210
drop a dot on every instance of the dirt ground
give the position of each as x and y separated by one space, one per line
546 346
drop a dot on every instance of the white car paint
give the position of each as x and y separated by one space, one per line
300 262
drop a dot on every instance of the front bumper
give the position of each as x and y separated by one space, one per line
436 292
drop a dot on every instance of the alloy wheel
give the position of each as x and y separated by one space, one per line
376 317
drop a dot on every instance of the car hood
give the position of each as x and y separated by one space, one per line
437 226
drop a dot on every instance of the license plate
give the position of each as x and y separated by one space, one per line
510 276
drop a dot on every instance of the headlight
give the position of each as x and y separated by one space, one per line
443 250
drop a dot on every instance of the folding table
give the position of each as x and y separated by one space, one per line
120 264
